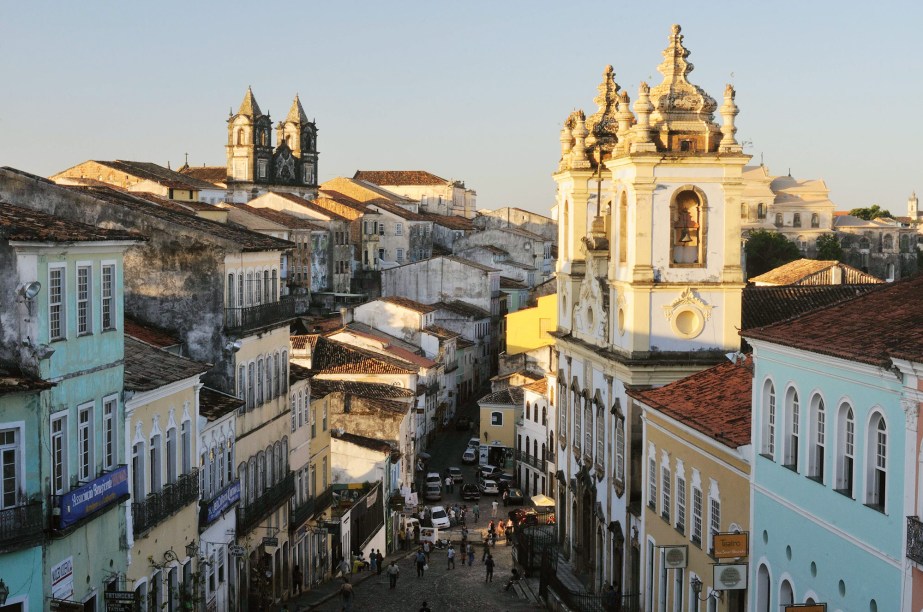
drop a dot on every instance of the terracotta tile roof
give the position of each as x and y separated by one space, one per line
245 239
510 395
148 367
14 380
145 332
363 441
297 372
316 325
763 306
408 304
871 328
277 216
487 247
183 206
381 203
152 172
25 225
334 357
450 221
799 270
300 343
310 205
214 404
321 387
463 343
539 386
399 177
463 309
209 174
389 345
441 331
510 283
715 401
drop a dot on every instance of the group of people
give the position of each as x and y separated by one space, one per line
499 529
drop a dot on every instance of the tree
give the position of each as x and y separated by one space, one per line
766 250
828 248
872 212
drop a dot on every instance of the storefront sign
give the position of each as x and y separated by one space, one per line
95 495
675 557
236 550
730 576
119 601
821 607
731 545
62 579
59 605
267 541
224 500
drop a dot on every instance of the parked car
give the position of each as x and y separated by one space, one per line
456 474
470 491
439 517
489 487
513 497
433 478
469 456
433 492
463 424
504 477
474 442
489 471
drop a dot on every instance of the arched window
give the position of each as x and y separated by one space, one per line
744 209
260 473
535 449
240 136
652 480
269 394
687 222
600 435
792 422
528 411
666 488
260 375
815 220
888 242
846 450
714 514
769 421
905 243
544 416
232 293
251 385
786 594
242 382
244 485
544 451
251 478
760 211
525 449
877 463
796 220
864 243
284 368
496 418
817 440
763 586
277 388
270 467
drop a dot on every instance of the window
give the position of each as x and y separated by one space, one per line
269 394
620 450
314 423
846 450
793 416
85 442
171 455
578 418
137 471
760 211
324 474
697 515
652 483
156 455
779 219
496 418
600 436
242 382
9 468
155 594
110 435
251 386
588 427
680 502
172 590
819 426
284 369
107 301
665 491
796 220
398 229
769 420
877 460
688 226
714 515
57 312
277 387
400 255
186 441
84 313
381 229
324 421
815 220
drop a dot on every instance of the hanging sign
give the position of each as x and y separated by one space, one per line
731 545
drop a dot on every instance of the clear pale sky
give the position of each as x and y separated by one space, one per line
473 90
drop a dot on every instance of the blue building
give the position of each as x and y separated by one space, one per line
835 454
62 528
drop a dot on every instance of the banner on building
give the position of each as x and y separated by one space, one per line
93 496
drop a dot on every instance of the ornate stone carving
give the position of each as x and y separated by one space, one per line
687 298
603 124
589 315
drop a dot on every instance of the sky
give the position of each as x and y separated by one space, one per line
473 90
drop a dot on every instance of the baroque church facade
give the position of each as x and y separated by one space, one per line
649 277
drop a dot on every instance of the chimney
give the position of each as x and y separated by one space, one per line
836 275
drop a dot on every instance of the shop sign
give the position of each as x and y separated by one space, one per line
731 545
224 500
267 541
62 579
95 495
675 557
730 576
236 550
119 601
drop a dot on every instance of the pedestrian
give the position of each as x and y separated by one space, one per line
506 497
345 569
425 608
346 594
393 571
451 516
450 556
421 562
477 513
427 548
403 538
490 568
493 508
296 579
509 525
373 561
470 551
486 552
448 484
380 558
493 539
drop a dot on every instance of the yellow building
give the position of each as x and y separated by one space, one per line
499 412
696 439
527 329
161 432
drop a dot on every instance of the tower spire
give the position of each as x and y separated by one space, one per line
249 106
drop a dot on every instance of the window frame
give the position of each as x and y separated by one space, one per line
86 466
110 439
15 448
496 418
84 297
57 302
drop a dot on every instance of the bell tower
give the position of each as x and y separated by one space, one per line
249 149
300 136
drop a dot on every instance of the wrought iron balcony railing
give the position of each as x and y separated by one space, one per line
157 507
260 315
915 539
21 525
249 515
310 507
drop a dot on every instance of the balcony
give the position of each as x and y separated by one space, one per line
312 506
250 515
536 462
21 526
915 539
261 315
157 507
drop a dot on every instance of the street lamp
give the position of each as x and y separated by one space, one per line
191 549
697 590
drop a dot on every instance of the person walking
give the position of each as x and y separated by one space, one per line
346 594
373 561
490 568
381 559
470 551
477 513
421 562
486 552
450 556
345 569
449 484
493 509
393 571
296 579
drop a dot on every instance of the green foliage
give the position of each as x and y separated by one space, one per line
828 248
872 212
766 250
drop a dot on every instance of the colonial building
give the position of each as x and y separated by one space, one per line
649 290
883 247
435 194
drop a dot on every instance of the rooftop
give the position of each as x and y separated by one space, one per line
450 221
332 357
464 309
510 395
715 401
797 271
321 387
539 386
14 380
408 304
148 367
767 305
209 174
24 225
399 177
277 216
158 174
214 404
363 441
310 205
145 332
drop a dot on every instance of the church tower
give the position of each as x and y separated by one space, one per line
249 149
295 158
913 207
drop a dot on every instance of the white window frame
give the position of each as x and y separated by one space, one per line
695 529
84 297
652 480
57 302
155 459
846 449
818 439
714 514
768 446
139 468
110 440
262 168
186 446
11 451
876 461
620 450
792 429
107 301
665 488
86 466
171 447
400 256
680 498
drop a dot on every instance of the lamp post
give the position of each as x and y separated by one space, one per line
697 585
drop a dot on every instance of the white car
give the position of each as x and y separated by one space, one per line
469 456
440 518
434 478
489 487
474 442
